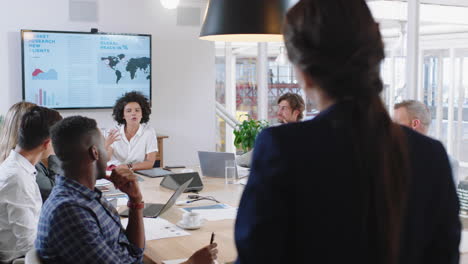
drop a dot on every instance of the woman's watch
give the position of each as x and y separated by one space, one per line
130 166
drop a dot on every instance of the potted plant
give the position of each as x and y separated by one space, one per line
246 133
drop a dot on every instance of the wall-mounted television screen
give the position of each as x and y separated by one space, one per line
69 70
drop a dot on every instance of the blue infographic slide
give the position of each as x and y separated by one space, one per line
78 70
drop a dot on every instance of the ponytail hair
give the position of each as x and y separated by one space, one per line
338 44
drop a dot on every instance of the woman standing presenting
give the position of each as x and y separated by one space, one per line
134 143
349 186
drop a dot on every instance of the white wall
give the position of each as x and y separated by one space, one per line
183 66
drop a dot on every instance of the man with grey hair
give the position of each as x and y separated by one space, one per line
416 115
413 114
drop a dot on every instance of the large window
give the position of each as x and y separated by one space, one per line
246 85
444 90
436 76
441 69
220 93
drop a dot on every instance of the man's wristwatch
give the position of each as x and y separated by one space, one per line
139 205
130 166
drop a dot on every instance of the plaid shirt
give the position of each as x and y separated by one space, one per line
78 225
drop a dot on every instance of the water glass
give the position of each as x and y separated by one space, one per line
230 171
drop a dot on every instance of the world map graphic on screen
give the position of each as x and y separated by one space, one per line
120 64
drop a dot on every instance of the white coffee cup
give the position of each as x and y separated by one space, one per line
190 219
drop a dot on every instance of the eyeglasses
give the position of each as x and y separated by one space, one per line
283 107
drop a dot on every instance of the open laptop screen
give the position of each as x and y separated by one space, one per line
212 163
155 210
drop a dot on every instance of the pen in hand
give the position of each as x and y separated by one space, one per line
212 238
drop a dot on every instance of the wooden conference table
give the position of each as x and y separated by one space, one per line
183 247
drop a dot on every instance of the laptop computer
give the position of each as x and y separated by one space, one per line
155 210
175 180
154 172
212 164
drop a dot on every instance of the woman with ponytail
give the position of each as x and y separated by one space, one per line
349 186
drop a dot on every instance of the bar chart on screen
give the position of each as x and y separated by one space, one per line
44 98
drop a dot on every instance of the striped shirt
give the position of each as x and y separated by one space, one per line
77 225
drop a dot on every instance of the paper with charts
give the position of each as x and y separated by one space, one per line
158 228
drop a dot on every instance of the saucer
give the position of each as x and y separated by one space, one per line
181 225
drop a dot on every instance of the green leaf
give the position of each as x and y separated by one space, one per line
246 132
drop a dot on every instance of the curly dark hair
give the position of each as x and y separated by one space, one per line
131 97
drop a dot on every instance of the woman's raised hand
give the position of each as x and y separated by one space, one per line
113 136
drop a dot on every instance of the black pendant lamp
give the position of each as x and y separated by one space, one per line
245 20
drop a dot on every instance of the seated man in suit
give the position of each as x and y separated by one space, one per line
290 108
77 224
416 115
20 198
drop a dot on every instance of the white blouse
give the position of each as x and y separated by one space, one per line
20 207
135 150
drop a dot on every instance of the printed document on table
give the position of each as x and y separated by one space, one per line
217 214
158 228
174 261
213 212
102 182
208 207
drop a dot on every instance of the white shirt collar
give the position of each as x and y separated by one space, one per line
138 133
23 162
140 130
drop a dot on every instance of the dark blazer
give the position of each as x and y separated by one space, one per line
301 203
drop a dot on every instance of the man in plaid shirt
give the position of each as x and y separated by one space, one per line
77 225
